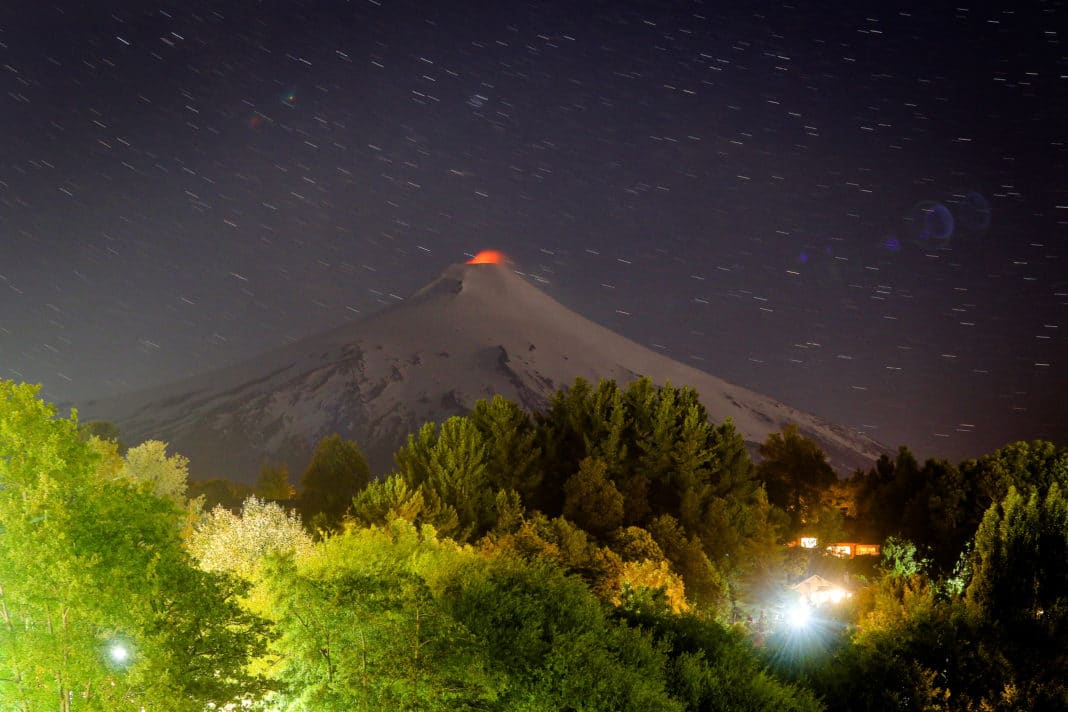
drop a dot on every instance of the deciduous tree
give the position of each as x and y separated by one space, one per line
164 475
273 482
101 607
337 472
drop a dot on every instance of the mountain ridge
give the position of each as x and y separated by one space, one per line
475 331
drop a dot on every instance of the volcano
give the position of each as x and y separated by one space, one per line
480 329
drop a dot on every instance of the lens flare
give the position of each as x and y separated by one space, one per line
488 257
799 615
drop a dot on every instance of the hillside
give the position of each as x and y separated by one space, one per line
476 331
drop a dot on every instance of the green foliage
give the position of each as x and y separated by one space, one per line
636 544
1025 466
549 636
1000 646
337 472
591 500
561 543
446 466
163 475
580 422
273 483
604 457
387 499
901 560
940 506
239 543
928 506
512 457
704 582
711 667
652 579
661 454
599 526
795 472
90 559
363 628
1019 583
508 509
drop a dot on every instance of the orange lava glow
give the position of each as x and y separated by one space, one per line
488 257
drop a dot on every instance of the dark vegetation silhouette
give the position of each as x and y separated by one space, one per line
615 551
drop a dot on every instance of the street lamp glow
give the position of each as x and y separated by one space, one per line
119 653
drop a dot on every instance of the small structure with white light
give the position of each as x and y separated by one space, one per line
817 591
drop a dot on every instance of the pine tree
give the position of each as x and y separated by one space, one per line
513 458
448 467
795 472
591 500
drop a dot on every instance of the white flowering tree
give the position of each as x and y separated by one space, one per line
237 543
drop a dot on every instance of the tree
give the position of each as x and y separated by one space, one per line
512 456
239 543
273 482
387 499
362 626
100 606
582 421
885 492
940 506
447 465
551 638
705 584
1000 646
795 472
1023 465
654 575
164 475
591 500
1019 586
337 472
636 544
710 667
565 545
457 475
219 491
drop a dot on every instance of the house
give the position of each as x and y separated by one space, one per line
841 549
853 549
817 591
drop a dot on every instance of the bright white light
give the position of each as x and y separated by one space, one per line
119 653
798 615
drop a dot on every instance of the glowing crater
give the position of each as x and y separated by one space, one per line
488 257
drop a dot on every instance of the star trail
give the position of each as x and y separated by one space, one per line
861 210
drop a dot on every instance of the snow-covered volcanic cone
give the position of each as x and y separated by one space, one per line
478 330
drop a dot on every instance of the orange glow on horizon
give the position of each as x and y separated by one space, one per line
488 257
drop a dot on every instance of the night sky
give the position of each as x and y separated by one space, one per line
862 212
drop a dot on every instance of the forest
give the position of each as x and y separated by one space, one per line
614 551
